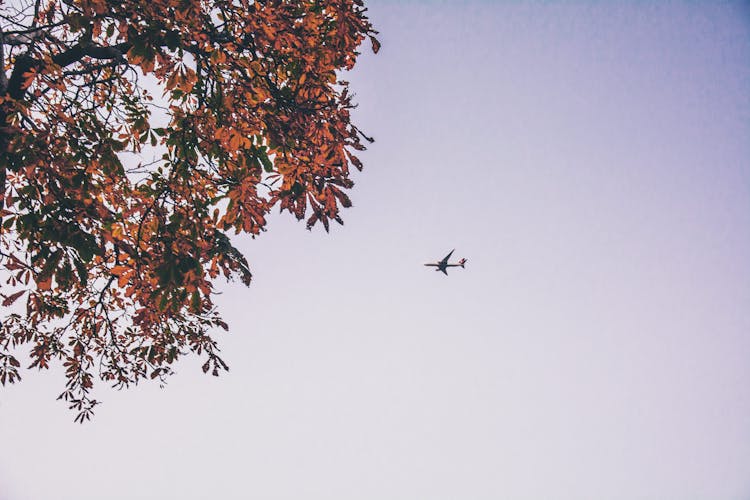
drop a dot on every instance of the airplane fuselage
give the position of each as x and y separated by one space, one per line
443 265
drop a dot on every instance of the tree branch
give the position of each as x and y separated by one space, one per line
25 62
3 77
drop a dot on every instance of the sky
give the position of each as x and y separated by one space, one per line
591 160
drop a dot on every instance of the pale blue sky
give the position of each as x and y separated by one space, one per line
592 161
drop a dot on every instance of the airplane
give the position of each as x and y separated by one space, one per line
443 264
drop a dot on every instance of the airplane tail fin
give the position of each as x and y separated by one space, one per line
462 262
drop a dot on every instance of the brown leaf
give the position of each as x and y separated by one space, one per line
12 298
375 44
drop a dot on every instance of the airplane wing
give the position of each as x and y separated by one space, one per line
445 259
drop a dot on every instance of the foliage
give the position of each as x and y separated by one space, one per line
114 257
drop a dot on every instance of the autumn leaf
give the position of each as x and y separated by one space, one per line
10 299
375 44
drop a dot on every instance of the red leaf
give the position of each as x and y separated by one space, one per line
12 298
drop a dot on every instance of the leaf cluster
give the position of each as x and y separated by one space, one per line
115 257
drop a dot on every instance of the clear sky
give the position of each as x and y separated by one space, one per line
592 161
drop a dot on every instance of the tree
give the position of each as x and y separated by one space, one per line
115 256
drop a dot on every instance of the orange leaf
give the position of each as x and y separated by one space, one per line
118 270
44 284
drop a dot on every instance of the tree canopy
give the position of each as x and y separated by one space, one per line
136 136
